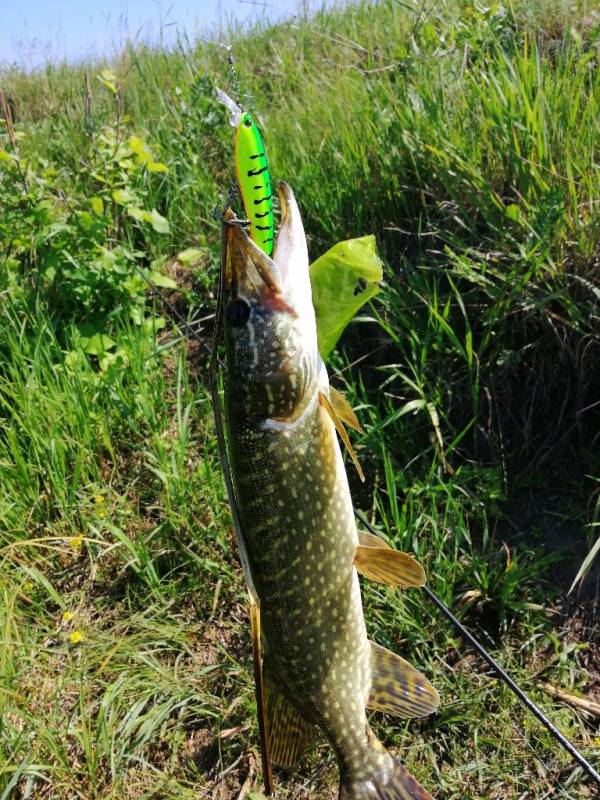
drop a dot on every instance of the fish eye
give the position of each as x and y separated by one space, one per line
237 313
248 122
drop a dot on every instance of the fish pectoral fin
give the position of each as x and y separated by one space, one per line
289 734
343 409
367 539
398 688
339 426
384 565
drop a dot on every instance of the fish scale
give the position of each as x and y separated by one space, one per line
299 536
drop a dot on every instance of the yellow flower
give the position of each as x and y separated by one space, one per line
76 637
76 542
99 499
27 586
101 513
67 616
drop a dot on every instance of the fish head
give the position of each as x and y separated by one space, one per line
269 319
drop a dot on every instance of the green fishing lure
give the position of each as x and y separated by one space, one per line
253 177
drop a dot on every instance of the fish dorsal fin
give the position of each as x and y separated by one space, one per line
259 688
371 540
289 734
384 565
343 409
398 688
339 426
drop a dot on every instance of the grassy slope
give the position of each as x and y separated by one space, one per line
465 139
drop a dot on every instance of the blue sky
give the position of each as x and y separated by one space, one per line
33 31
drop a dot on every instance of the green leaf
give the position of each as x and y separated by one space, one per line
153 324
412 405
143 155
75 359
137 145
117 359
98 344
158 222
586 565
158 279
513 212
40 578
342 280
190 256
123 196
97 205
86 219
138 213
108 78
429 33
127 164
137 315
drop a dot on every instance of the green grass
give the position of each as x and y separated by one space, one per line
465 138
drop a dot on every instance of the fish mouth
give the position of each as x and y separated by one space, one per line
249 272
281 282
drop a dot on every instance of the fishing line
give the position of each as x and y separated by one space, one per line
501 673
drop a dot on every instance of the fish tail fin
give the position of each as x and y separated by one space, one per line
387 779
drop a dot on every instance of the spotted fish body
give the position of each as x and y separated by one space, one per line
299 533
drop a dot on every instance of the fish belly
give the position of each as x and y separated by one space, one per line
301 537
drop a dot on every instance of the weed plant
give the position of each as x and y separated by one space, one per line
464 137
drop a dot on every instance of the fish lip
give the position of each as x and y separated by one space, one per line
249 272
246 265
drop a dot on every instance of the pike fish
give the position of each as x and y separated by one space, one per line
301 548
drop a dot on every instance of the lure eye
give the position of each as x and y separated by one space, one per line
248 122
238 312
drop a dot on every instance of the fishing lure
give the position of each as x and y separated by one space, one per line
252 172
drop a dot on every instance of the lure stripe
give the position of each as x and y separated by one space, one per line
260 216
258 155
254 172
262 200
